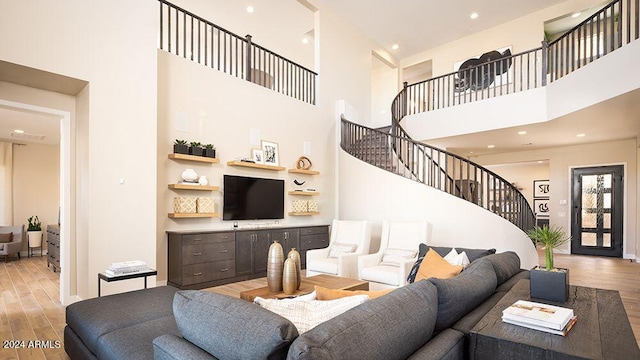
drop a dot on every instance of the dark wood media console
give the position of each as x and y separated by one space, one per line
202 259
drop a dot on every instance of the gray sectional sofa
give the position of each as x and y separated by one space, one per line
429 319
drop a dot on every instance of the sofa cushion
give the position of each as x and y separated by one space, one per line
392 326
507 285
467 322
472 254
5 238
134 342
230 328
93 318
447 345
459 295
382 274
171 347
434 265
324 265
323 293
306 315
505 264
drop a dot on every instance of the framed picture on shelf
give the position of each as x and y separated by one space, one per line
541 207
270 153
257 155
540 189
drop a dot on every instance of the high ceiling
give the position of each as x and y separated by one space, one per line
419 25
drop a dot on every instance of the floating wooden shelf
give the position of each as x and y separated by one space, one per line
193 187
304 213
255 166
192 215
194 158
304 193
302 171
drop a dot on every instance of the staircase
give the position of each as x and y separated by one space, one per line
393 150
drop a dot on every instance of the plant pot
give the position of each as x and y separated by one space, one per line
210 153
195 150
35 238
181 149
549 285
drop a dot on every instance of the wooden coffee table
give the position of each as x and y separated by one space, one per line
307 286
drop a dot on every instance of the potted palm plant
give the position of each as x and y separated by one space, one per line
34 232
549 282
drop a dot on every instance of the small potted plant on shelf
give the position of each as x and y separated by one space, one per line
34 232
195 148
180 147
549 282
210 151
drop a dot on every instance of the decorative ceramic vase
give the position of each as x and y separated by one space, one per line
275 263
189 175
203 180
290 277
295 256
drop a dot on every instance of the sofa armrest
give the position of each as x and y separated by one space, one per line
317 254
367 261
404 270
348 265
172 347
447 345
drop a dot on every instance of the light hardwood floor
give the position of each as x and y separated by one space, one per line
30 309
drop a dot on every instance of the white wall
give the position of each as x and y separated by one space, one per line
563 159
455 222
36 185
80 39
384 88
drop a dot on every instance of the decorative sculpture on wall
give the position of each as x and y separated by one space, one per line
471 75
304 163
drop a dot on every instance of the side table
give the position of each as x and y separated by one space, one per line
602 331
144 274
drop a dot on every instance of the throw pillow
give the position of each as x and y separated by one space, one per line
6 238
221 325
472 254
434 266
323 293
396 257
454 258
422 251
338 249
306 315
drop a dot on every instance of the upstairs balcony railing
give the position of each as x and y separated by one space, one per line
607 30
185 34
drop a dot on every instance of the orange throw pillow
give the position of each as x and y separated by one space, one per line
323 293
435 266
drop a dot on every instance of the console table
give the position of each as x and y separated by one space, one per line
108 278
602 331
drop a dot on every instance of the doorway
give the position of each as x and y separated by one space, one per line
597 211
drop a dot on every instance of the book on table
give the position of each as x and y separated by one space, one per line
537 314
126 267
562 332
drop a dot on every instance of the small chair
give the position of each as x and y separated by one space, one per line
349 240
390 266
15 245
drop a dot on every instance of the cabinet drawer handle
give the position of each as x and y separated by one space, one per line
197 274
224 251
197 239
197 254
224 237
223 270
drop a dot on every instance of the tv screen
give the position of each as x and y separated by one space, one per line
247 198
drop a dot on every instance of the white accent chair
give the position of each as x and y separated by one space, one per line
390 266
347 233
15 245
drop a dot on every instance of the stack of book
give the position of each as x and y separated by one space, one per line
126 267
552 319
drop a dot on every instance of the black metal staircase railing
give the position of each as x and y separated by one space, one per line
185 34
439 169
607 30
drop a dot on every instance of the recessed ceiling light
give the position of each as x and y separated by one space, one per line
490 146
305 40
395 46
471 152
18 131
540 162
581 135
522 133
473 15
575 15
250 9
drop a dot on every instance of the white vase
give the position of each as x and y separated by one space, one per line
203 181
189 175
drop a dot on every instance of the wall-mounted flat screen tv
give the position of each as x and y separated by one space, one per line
249 198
